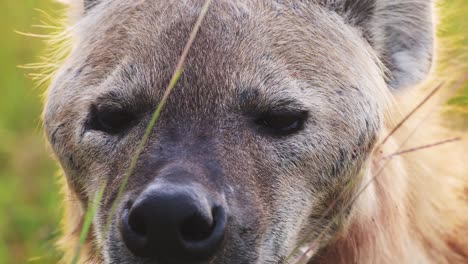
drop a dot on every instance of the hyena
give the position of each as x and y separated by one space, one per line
271 139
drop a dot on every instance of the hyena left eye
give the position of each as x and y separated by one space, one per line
282 124
110 120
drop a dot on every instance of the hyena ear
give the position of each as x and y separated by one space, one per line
87 4
81 4
401 32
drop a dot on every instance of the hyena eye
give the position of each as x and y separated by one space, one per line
109 120
282 124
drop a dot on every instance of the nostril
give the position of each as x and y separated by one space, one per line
137 224
136 242
202 238
196 228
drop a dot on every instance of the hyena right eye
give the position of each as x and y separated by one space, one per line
110 120
282 124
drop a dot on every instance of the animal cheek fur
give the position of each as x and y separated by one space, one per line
71 162
340 162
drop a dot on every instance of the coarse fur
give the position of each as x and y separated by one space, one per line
354 66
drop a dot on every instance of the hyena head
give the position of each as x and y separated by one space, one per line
274 116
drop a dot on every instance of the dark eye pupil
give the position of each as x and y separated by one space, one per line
111 121
282 124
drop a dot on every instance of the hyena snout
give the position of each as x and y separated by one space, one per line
174 222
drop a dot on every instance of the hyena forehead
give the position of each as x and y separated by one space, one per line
302 45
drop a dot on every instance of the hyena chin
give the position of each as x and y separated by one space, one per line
269 141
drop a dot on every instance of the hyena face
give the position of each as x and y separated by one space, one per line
276 112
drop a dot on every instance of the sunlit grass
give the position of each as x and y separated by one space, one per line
92 208
30 201
452 57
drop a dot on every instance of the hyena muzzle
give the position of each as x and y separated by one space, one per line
277 111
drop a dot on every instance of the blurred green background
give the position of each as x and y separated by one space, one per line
30 205
29 194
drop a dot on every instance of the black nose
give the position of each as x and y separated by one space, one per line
174 223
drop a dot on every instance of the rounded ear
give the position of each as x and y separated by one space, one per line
87 4
82 4
401 32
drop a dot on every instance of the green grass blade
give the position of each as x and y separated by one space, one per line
157 112
92 208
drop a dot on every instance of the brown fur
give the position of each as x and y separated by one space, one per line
350 63
426 220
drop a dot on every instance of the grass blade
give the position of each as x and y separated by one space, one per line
400 124
157 112
92 208
314 243
423 147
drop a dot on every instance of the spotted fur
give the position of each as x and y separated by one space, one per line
348 64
